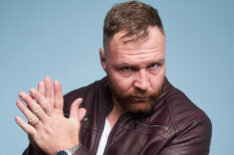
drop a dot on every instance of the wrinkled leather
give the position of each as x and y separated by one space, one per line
175 126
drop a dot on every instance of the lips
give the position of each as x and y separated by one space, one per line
140 99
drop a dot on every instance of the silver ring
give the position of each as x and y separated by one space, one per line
36 122
32 122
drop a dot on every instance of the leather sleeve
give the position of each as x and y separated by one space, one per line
30 151
193 138
82 150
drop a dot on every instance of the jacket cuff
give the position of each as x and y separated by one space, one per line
31 151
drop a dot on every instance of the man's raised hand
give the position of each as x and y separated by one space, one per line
47 127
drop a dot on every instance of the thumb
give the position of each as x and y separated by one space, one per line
74 110
81 113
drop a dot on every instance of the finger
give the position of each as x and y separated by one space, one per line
49 90
74 111
58 96
42 101
26 127
41 87
81 113
33 106
31 117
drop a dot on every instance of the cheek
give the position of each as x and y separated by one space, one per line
157 81
156 84
122 85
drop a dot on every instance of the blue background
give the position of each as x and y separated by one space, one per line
60 39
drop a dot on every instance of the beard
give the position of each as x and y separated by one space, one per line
138 102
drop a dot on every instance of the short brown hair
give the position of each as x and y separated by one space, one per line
134 17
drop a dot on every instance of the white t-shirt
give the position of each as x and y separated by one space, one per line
104 138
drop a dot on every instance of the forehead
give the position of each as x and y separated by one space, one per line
125 49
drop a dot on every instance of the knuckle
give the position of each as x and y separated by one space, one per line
32 119
45 106
27 98
36 95
36 110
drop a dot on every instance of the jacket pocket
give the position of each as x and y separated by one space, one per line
146 125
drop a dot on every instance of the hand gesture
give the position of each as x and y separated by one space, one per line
47 127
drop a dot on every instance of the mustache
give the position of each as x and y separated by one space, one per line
138 94
135 98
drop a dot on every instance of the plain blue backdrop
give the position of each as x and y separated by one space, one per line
60 39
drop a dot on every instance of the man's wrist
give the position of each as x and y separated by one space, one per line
69 151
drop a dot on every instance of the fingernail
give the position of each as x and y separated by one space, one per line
80 99
56 82
17 119
41 82
22 94
32 90
19 103
47 78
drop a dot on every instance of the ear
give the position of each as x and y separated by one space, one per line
102 58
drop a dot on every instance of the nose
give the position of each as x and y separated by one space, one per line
142 81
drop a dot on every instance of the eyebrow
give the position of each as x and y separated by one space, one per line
160 61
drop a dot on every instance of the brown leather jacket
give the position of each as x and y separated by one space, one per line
174 127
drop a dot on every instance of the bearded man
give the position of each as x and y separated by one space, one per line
134 110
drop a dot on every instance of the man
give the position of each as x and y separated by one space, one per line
133 110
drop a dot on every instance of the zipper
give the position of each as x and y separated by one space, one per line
113 131
139 123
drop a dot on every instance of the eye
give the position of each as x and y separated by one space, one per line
126 71
153 67
125 68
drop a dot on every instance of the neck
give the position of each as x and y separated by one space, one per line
115 113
